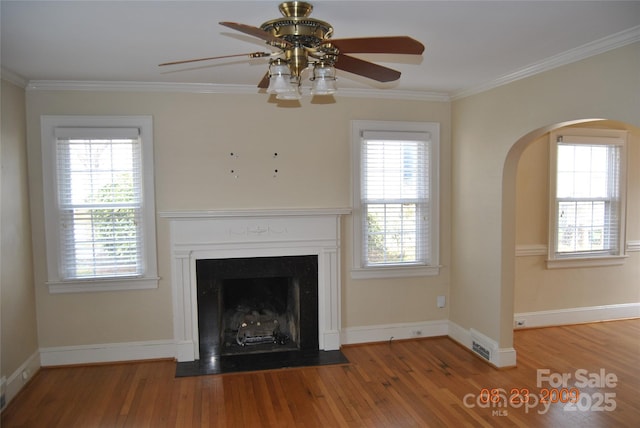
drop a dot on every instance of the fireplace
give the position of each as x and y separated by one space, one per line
198 237
257 305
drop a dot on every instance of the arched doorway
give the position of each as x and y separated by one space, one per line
625 302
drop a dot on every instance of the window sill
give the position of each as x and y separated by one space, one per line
585 262
394 272
115 284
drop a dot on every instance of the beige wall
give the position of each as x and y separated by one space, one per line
194 137
490 130
17 308
195 134
540 289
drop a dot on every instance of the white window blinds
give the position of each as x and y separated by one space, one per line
395 197
99 195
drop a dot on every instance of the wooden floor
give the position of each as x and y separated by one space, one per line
423 383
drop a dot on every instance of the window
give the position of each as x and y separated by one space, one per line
395 199
588 197
99 203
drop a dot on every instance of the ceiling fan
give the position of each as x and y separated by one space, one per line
305 42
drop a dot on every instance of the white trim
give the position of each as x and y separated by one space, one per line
531 250
190 215
614 41
500 357
107 352
570 263
577 315
131 86
197 235
541 249
16 381
633 246
587 50
395 272
12 77
381 333
505 357
213 88
110 284
394 94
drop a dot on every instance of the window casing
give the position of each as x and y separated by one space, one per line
99 203
588 197
395 198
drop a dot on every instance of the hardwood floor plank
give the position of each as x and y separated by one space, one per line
431 382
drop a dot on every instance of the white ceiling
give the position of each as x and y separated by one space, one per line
469 44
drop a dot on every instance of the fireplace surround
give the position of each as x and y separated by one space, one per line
239 234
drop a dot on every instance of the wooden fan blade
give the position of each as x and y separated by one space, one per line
386 45
256 32
264 83
366 69
250 55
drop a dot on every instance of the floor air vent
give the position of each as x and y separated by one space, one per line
482 345
481 350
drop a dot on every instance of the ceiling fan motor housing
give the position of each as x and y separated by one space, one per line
296 27
305 42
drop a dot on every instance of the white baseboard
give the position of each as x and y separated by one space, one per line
185 350
330 340
381 333
576 315
19 378
499 357
107 352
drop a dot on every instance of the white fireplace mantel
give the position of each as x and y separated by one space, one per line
197 235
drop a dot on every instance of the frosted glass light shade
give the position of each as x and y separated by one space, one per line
279 78
293 93
324 79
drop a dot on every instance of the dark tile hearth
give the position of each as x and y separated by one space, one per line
262 361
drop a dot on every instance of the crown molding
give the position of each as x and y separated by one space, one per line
394 94
212 88
12 77
129 86
614 41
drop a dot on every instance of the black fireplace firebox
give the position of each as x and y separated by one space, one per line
257 313
257 305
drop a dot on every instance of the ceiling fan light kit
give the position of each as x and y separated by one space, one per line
305 43
323 81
